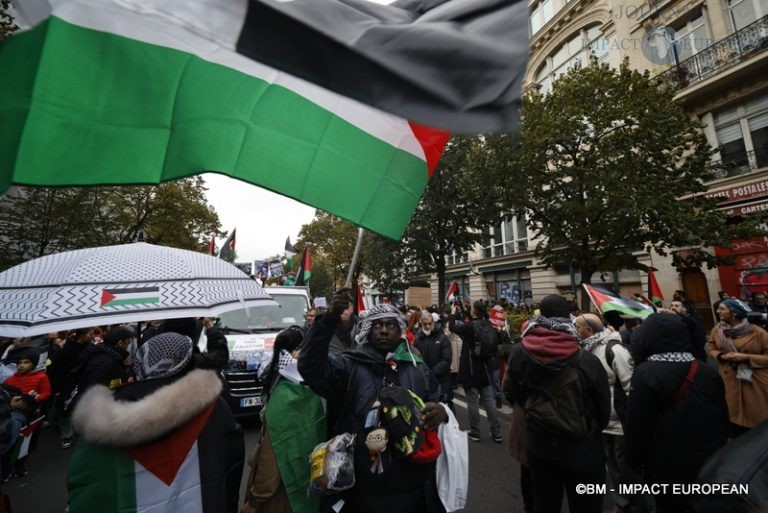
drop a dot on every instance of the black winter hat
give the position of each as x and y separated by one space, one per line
117 334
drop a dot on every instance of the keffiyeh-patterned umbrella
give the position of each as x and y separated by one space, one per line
119 284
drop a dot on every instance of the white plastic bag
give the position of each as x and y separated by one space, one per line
452 464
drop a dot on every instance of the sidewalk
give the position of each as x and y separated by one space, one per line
460 398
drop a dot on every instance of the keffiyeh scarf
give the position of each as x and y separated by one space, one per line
385 311
162 356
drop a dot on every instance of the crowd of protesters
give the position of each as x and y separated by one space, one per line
595 398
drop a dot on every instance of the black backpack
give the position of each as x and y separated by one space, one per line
557 408
486 343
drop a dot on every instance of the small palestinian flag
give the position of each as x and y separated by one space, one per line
130 296
654 291
607 301
21 447
452 290
227 251
305 269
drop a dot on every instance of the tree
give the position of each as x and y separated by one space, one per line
40 220
461 201
7 26
607 163
332 238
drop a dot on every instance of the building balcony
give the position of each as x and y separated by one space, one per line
741 163
726 53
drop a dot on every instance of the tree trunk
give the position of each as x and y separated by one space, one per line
441 282
586 278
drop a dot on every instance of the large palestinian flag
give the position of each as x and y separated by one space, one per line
606 300
164 476
108 92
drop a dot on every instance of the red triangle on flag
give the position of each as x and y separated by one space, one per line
164 458
106 297
432 141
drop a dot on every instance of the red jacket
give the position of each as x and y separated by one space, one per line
35 380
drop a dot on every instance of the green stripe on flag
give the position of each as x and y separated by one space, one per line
133 301
175 115
101 480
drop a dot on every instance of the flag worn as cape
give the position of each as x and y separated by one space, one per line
606 300
452 290
455 64
105 480
654 291
305 269
227 251
296 424
290 251
118 92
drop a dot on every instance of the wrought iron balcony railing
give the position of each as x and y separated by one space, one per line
724 53
741 163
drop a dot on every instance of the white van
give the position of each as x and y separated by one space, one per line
250 337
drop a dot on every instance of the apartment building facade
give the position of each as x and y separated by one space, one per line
716 52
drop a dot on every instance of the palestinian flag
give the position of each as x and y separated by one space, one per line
227 251
21 447
654 291
290 251
452 290
212 244
130 296
296 424
305 269
606 300
168 472
116 92
359 299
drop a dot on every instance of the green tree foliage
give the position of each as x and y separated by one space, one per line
461 201
333 240
607 163
39 221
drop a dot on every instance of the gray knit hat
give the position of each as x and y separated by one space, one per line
162 356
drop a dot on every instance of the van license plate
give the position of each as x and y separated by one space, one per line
245 402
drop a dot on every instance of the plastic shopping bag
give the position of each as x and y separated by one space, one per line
452 464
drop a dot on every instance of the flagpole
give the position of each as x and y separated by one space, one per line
355 257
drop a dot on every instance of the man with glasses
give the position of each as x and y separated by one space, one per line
617 362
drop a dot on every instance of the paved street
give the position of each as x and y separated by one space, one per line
492 488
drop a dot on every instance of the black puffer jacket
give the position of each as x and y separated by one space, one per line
350 381
472 371
435 348
671 442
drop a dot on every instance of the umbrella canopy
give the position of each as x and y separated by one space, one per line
118 284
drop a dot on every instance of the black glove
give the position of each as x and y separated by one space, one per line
341 301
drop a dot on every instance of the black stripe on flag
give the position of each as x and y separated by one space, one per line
457 66
137 290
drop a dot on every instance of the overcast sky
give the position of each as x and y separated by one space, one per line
263 219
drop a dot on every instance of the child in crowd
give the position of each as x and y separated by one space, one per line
29 381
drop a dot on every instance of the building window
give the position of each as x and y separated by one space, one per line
742 135
457 258
691 38
507 238
541 14
574 52
745 12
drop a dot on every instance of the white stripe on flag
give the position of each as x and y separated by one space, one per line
119 296
146 21
183 495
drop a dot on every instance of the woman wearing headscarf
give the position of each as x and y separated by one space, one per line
292 424
166 441
676 411
742 351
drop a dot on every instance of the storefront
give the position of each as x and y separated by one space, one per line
749 272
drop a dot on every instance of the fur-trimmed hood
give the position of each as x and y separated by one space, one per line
101 419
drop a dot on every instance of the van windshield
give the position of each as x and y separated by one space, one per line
289 310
